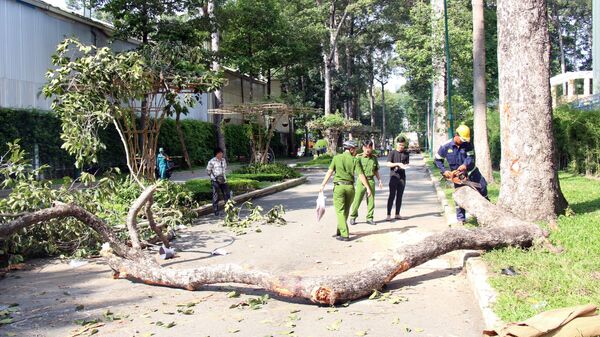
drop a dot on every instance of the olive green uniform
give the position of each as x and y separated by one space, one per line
345 167
370 166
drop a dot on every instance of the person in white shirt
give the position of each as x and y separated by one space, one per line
216 170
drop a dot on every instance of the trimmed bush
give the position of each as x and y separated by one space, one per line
277 168
199 136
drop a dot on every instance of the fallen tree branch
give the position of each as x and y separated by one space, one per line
152 223
503 230
332 289
132 215
61 210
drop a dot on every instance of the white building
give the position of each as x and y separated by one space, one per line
30 30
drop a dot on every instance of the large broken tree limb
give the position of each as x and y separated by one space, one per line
132 215
152 223
61 210
504 230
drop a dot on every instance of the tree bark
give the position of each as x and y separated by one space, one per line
384 120
440 130
529 183
482 147
186 155
371 69
216 66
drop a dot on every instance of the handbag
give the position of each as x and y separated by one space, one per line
220 179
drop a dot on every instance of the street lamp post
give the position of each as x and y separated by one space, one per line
448 73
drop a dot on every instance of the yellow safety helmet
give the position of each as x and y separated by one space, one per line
464 133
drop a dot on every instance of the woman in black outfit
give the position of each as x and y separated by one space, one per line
397 161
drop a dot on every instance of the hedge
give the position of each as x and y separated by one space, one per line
277 168
43 128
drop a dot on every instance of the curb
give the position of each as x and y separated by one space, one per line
207 209
448 211
476 270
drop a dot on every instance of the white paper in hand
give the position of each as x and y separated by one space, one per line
320 205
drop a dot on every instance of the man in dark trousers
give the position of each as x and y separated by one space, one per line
216 169
460 154
398 160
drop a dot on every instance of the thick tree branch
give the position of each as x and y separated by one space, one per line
504 231
60 210
152 223
132 215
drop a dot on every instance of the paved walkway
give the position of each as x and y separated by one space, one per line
430 300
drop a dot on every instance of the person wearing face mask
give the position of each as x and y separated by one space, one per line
398 160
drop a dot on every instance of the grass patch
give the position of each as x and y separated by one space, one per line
322 161
547 280
258 176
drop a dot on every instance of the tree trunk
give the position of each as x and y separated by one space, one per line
503 230
440 129
186 155
371 70
269 83
332 140
216 66
482 147
561 46
327 77
384 126
529 183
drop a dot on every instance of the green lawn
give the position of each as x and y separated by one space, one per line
322 161
547 280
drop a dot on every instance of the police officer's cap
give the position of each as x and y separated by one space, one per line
350 144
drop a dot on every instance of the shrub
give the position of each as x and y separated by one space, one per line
238 143
277 168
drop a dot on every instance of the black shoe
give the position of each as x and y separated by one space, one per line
336 234
342 238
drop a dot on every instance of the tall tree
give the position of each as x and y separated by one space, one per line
482 147
216 66
529 184
440 130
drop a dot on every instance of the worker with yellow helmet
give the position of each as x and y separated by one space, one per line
460 154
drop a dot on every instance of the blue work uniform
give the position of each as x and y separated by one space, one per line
457 155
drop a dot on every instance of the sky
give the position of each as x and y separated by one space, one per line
394 83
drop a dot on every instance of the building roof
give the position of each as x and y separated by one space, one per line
72 15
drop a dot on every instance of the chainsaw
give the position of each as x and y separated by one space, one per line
458 177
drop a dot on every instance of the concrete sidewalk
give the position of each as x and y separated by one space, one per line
430 300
